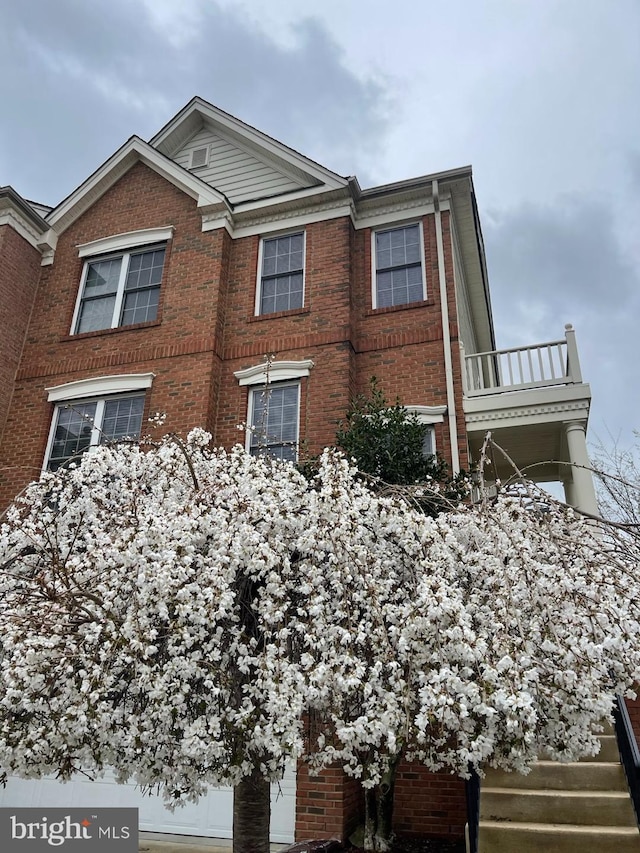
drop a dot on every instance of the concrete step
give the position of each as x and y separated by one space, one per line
500 837
604 808
571 776
608 751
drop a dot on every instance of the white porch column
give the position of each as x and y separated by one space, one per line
569 491
581 492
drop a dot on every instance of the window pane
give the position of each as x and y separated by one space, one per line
73 433
96 314
122 418
399 278
398 247
140 306
275 422
145 269
281 294
399 286
102 277
281 274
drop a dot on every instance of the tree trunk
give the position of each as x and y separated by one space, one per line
251 814
378 811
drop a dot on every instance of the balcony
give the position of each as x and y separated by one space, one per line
524 368
533 401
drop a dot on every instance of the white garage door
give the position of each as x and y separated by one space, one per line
212 816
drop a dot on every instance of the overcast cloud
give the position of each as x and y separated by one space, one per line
540 96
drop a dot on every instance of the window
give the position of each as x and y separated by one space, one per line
398 266
281 274
428 415
120 290
429 442
274 421
85 423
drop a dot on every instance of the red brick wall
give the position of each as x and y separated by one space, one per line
19 274
633 706
207 328
431 804
426 804
327 806
183 347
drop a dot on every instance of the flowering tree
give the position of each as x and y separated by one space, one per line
130 634
173 612
472 639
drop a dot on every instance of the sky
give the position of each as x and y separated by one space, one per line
541 97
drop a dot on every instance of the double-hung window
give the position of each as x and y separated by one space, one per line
273 416
120 290
274 421
94 411
85 423
399 275
121 280
281 284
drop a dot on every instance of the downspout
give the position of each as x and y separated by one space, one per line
446 334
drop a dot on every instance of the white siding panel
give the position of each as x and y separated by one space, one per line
234 172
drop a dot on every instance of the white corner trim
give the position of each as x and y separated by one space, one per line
428 414
279 371
128 240
100 386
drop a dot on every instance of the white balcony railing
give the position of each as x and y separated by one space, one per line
537 366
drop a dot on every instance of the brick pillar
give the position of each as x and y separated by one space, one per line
329 805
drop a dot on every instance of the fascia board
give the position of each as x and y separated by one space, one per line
538 405
133 151
276 202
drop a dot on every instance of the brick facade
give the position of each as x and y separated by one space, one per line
205 331
331 805
206 328
19 272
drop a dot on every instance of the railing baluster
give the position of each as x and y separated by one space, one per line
561 360
531 376
511 382
520 370
540 362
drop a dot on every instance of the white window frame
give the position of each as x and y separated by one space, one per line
396 226
429 415
112 247
99 390
260 276
277 373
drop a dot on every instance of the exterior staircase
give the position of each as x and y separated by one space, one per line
561 808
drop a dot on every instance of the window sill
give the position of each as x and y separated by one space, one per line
390 309
81 336
275 315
